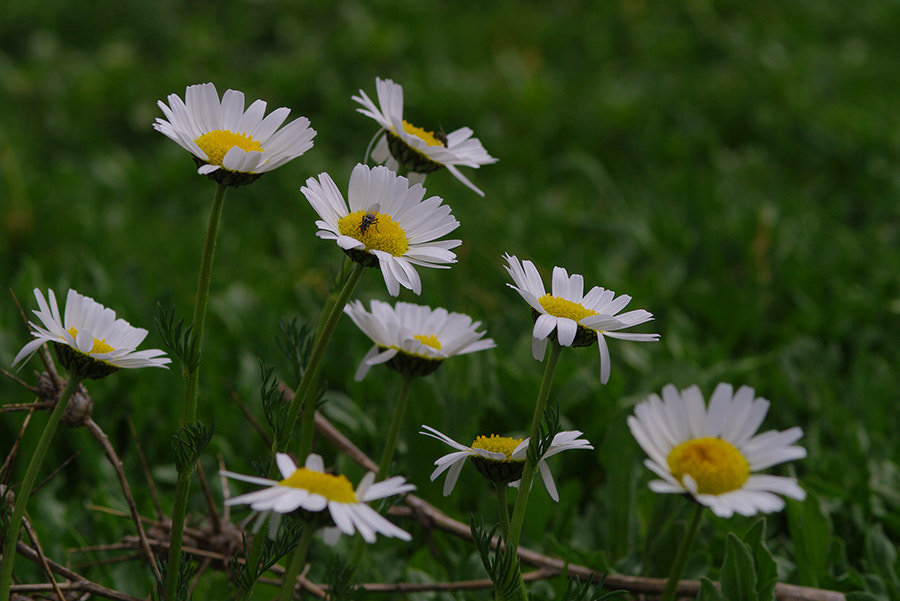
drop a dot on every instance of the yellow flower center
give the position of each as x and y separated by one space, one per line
498 444
334 488
100 346
429 340
216 144
381 233
429 137
715 465
560 307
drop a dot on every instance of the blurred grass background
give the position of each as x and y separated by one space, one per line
731 166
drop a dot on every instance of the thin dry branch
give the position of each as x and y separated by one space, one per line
113 458
42 559
78 582
146 467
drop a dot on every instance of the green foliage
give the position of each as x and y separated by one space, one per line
732 167
501 565
341 585
578 592
189 442
176 338
287 537
812 535
548 428
186 571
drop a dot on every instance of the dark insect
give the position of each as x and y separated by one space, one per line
370 218
441 137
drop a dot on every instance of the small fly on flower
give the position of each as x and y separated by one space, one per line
370 218
441 137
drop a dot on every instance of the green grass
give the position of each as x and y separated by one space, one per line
730 166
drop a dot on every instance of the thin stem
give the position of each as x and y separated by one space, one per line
11 536
681 557
384 465
502 508
295 562
307 387
393 434
182 489
192 372
518 516
191 387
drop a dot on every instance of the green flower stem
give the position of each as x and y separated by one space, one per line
179 510
681 557
252 558
192 372
390 445
518 516
502 508
295 561
307 387
393 434
11 536
191 386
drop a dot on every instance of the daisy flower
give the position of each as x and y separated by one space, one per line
230 145
414 339
572 317
416 149
387 224
313 490
712 453
88 338
500 459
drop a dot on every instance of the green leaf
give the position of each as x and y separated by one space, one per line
708 591
811 533
766 568
882 555
738 574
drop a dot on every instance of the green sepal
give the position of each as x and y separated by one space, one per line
412 365
409 158
583 336
228 178
82 365
501 472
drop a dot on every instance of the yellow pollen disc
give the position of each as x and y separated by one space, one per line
100 346
715 465
216 144
381 233
334 488
498 444
560 307
427 136
429 340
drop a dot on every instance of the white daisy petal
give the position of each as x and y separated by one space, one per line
425 149
422 336
314 490
385 217
245 141
717 451
571 314
454 461
92 330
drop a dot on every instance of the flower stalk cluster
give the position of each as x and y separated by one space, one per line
711 453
